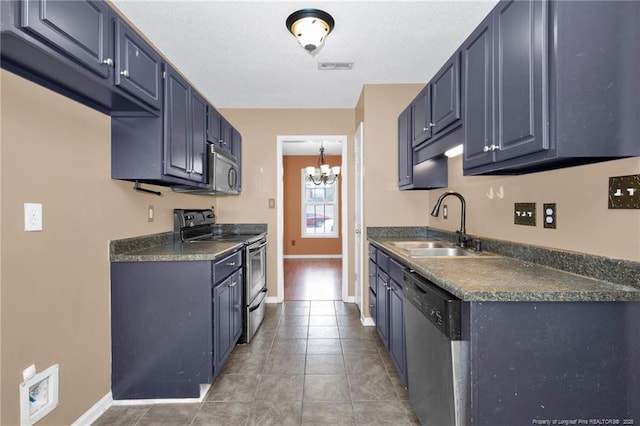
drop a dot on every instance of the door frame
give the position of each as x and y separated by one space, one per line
344 209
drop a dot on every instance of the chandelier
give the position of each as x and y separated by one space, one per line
325 174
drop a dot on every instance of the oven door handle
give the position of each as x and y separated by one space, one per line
262 295
254 248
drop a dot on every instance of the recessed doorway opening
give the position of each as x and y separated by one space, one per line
312 239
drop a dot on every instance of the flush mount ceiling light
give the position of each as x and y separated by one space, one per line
310 27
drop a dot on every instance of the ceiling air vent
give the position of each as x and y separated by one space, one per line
337 66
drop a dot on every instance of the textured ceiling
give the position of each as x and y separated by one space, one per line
239 54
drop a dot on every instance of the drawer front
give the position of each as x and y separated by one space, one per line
373 276
395 271
382 259
224 267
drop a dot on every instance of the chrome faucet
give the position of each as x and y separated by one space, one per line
463 239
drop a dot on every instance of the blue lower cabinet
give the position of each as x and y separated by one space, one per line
161 329
386 306
173 325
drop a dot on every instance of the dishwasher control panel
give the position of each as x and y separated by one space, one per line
440 307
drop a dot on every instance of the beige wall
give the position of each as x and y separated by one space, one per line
584 223
55 283
260 129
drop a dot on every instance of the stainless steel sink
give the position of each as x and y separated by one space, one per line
410 245
444 251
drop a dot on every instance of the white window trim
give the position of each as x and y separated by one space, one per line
303 210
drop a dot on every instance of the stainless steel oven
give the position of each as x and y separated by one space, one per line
198 225
255 287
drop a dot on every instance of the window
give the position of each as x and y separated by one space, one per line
319 208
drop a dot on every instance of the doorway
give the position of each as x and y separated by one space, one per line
308 271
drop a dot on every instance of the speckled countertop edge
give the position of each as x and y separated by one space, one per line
167 247
602 279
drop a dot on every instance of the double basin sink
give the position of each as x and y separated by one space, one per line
433 248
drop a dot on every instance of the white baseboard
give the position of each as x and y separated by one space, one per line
367 321
350 299
273 299
204 388
312 256
93 413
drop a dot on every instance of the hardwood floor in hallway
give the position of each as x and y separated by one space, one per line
312 279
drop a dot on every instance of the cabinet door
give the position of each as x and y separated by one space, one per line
79 28
176 125
421 117
226 135
222 322
396 329
214 131
405 149
382 307
198 141
477 81
138 68
445 96
520 78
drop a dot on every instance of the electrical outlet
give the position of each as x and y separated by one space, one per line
150 214
32 217
624 192
272 203
550 213
524 214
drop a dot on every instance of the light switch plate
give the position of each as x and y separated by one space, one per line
32 217
524 214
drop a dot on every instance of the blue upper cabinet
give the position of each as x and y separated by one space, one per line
81 49
551 84
138 68
185 129
436 109
505 79
78 28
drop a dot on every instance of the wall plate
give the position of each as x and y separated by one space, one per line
624 192
524 214
549 215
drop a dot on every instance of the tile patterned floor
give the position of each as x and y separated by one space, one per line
311 363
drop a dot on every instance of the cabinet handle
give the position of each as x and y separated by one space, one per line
231 264
125 73
108 62
490 148
233 284
424 129
432 124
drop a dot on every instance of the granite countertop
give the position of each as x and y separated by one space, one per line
179 251
167 247
499 278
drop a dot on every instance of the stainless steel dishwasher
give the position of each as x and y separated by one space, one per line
437 357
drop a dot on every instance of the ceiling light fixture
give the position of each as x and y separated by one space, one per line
310 27
325 174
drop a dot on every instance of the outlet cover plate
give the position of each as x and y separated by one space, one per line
32 217
524 214
549 214
624 192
